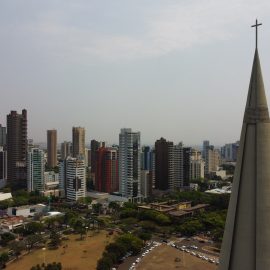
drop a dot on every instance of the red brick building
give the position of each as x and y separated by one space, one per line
106 173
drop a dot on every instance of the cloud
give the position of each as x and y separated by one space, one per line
163 29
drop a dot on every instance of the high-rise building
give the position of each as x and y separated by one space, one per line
3 166
89 157
163 163
35 170
107 167
186 165
212 160
66 149
129 164
229 151
52 148
86 155
152 171
17 149
78 142
73 178
176 181
94 145
3 135
146 184
206 144
196 165
146 158
246 240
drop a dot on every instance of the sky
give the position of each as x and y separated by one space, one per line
176 69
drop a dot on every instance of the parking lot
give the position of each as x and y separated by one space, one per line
161 256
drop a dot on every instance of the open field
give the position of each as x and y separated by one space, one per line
79 255
164 257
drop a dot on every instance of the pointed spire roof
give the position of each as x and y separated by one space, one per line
246 240
256 106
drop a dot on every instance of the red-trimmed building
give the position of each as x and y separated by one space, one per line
106 173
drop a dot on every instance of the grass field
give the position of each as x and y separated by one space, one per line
167 257
78 255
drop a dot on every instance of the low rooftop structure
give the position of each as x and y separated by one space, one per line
97 195
173 209
5 196
8 224
166 207
26 210
224 190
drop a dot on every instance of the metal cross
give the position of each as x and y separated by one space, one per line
256 25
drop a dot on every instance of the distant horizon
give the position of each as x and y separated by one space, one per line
196 146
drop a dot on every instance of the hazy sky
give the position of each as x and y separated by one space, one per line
176 68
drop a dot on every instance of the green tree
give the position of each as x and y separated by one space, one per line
17 247
33 239
3 259
79 226
145 236
33 227
6 238
85 200
55 239
105 263
97 208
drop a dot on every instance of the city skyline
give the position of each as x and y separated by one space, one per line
175 70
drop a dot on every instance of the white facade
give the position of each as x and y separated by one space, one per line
73 178
196 165
26 210
145 185
35 169
129 164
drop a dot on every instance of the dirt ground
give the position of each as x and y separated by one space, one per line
78 255
167 257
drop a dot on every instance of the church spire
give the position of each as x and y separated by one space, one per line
246 240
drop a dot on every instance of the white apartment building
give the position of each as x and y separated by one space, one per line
129 164
73 178
35 169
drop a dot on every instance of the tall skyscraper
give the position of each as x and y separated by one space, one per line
52 148
3 135
3 166
246 240
212 160
73 178
78 142
129 164
206 144
163 163
35 170
196 165
176 181
186 164
17 149
146 158
65 149
146 184
107 176
94 145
